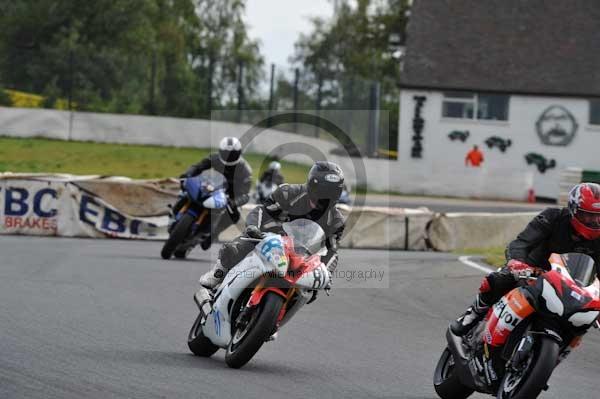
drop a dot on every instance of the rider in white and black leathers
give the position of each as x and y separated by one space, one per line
238 173
314 200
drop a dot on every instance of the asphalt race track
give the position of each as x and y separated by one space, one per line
109 319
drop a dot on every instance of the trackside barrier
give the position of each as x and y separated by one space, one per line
79 206
455 231
116 207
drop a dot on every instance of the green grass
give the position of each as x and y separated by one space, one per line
136 161
492 256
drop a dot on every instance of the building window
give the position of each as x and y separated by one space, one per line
594 112
467 105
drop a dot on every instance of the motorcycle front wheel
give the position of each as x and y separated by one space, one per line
198 343
177 236
530 380
445 380
247 341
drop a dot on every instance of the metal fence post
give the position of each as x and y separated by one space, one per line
374 116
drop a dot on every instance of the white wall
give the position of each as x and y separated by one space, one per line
138 129
442 163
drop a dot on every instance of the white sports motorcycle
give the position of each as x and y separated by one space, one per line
261 293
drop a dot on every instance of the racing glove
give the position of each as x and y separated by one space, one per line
521 269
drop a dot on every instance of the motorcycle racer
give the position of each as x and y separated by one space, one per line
575 228
272 174
230 163
315 200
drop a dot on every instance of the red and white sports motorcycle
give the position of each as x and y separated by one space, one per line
512 353
261 293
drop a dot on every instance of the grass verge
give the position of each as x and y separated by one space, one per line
38 155
492 256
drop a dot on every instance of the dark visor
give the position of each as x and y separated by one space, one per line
588 219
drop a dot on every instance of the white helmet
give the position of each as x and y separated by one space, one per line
230 150
274 165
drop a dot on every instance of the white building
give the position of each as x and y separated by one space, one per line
518 78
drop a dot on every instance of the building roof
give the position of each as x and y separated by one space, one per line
516 46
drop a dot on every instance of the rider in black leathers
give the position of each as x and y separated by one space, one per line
314 200
272 174
238 173
554 230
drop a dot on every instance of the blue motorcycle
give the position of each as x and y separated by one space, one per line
203 198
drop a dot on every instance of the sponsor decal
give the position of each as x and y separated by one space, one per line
332 178
29 209
62 208
217 318
111 221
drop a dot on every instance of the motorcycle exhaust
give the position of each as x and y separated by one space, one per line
460 359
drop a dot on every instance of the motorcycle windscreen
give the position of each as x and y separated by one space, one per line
199 187
308 236
581 267
213 180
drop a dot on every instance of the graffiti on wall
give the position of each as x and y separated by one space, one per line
418 126
498 142
461 135
556 126
540 161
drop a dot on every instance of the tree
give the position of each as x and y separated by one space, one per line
341 56
164 57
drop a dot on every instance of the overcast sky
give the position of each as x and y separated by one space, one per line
278 23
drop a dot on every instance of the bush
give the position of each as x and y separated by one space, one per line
5 99
51 94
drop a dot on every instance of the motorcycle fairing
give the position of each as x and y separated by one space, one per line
217 200
558 293
505 315
243 276
271 250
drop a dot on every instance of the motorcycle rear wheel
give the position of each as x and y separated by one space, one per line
446 381
198 343
177 236
536 373
260 327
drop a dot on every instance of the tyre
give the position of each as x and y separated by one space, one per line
445 380
531 380
177 236
198 343
245 343
182 253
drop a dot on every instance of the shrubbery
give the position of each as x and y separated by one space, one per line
5 99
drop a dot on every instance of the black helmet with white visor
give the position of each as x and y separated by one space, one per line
230 151
325 183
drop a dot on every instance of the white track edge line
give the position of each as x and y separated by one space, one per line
466 260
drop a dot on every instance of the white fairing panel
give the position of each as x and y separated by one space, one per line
580 319
218 325
553 302
316 279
